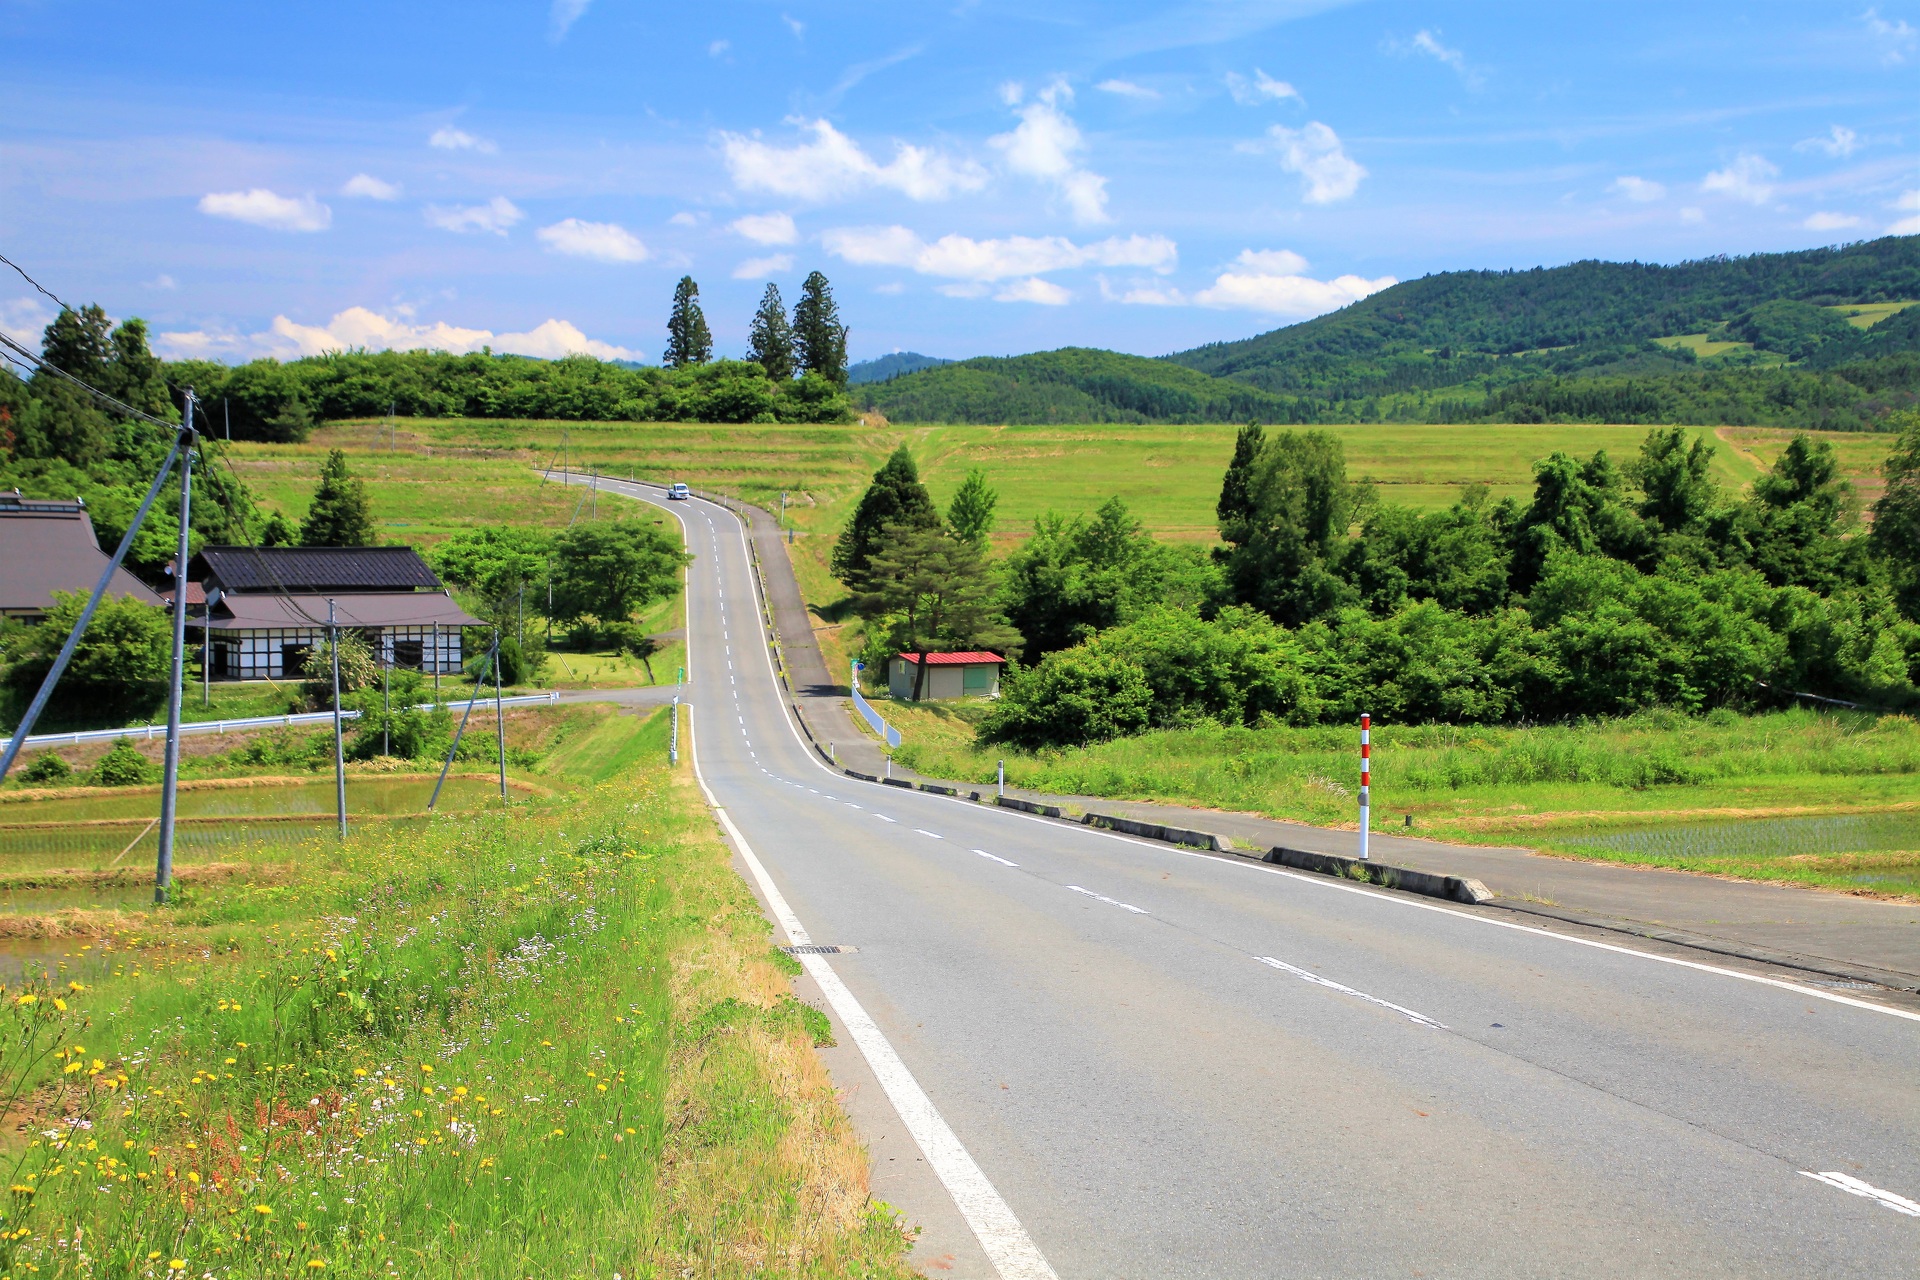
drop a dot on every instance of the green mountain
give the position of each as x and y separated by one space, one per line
1821 338
891 366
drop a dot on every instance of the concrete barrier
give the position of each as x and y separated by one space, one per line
896 782
939 790
1157 831
1453 888
1028 806
864 777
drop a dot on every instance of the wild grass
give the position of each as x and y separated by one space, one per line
548 1041
1553 786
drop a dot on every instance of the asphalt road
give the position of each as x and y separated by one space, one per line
1167 1064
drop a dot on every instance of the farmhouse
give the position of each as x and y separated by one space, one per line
949 675
267 607
49 546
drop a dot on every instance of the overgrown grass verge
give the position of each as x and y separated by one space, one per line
1569 789
553 1041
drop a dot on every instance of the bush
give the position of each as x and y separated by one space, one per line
47 767
123 766
358 670
118 669
1074 697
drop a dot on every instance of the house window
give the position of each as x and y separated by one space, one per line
409 653
293 657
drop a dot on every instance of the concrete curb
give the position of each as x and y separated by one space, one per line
1028 806
1158 831
1453 888
896 782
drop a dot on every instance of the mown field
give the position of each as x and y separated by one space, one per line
1819 799
547 1040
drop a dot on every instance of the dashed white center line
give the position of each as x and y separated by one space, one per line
992 857
1112 902
1853 1186
883 817
923 831
1343 989
850 804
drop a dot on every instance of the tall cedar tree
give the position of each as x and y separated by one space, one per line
896 496
770 340
939 588
819 339
970 514
689 341
1236 502
340 515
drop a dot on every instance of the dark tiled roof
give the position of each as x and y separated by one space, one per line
313 569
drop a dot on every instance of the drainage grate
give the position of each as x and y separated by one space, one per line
819 949
1849 986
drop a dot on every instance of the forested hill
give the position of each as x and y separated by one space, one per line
1812 339
1459 315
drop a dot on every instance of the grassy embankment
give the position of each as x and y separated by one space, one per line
547 1041
1656 789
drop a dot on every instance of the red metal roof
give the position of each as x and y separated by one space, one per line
973 658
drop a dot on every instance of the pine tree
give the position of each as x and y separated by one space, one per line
770 340
1236 502
896 497
689 341
970 514
340 515
819 339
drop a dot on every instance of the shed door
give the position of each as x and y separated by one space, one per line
976 679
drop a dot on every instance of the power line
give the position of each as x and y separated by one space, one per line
119 406
35 283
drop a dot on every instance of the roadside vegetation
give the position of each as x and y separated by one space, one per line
548 1041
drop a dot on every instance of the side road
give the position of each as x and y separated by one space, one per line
1845 938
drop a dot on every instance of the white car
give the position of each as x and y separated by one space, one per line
678 491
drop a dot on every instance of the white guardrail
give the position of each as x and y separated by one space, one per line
253 722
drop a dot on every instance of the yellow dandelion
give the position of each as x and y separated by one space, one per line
264 1210
315 1264
60 1004
28 998
75 986
178 1264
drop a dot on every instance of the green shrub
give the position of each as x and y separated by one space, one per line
123 766
47 767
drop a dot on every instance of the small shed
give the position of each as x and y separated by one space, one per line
974 674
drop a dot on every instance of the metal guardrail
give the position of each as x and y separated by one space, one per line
867 713
148 731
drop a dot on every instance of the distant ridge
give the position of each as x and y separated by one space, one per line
1826 338
892 366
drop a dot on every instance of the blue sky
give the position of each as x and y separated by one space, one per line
982 177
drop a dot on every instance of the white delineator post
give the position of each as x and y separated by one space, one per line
1366 777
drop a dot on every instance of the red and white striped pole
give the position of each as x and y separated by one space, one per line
1366 777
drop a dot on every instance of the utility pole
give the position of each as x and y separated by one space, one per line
386 702
673 733
226 415
520 627
206 647
436 662
170 783
339 756
499 716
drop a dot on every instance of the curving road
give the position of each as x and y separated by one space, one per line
1159 1063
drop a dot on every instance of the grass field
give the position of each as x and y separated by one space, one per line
1700 794
552 1040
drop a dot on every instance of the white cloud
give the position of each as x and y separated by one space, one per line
1150 294
1693 215
1748 178
1907 226
1639 190
767 228
368 187
761 268
1269 280
1428 43
263 208
833 167
565 14
1831 221
360 327
794 25
162 281
1045 145
1034 289
1315 153
1896 37
1262 88
448 138
1128 89
890 288
718 48
601 241
685 219
958 257
1839 143
496 215
24 319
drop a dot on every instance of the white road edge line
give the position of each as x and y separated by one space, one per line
1387 897
1853 1186
1007 1244
1112 902
1329 983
